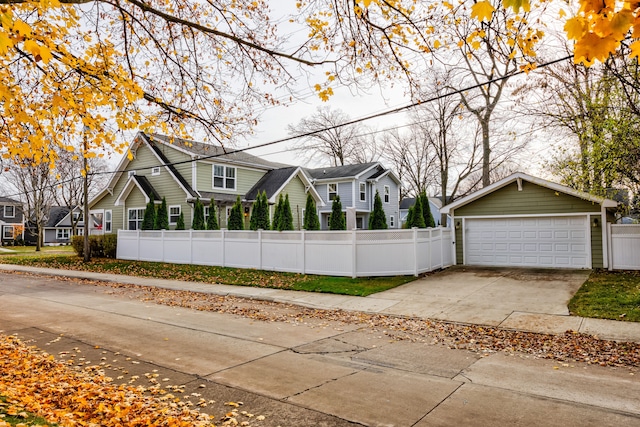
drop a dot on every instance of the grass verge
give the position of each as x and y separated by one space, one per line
13 414
207 274
609 295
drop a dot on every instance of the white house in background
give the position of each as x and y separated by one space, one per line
357 185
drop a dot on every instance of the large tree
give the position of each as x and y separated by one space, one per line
324 138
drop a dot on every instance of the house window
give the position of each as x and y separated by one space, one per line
9 211
80 231
131 173
77 217
7 232
224 177
155 171
392 221
174 214
387 192
333 191
107 221
363 192
136 215
206 214
62 233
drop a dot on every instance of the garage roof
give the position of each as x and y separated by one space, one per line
520 176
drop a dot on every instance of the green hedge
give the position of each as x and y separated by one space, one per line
100 246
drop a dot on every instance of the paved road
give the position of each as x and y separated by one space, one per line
310 373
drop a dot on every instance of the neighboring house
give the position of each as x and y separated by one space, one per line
434 204
183 171
357 185
526 221
11 220
58 228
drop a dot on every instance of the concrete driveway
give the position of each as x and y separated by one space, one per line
491 296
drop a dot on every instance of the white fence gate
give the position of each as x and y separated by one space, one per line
624 244
357 253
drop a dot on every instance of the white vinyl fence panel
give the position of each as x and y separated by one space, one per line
624 246
356 253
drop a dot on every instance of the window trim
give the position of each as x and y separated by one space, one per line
362 188
155 171
4 232
138 220
63 233
6 215
392 221
387 194
329 192
177 216
105 221
224 177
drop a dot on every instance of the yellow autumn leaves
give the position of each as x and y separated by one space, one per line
38 384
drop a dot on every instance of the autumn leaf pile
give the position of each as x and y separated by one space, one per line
36 383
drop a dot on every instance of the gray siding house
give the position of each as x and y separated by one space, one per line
357 185
11 220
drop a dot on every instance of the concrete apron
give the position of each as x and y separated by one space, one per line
489 296
341 374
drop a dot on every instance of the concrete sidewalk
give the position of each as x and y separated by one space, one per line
409 300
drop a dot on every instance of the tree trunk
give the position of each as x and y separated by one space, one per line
486 152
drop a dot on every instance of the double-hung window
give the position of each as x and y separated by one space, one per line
136 215
224 177
387 193
7 232
332 190
63 233
174 214
363 192
9 211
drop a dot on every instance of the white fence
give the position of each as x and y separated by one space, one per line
357 253
624 244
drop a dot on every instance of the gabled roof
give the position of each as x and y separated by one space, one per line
143 185
172 169
56 214
215 152
341 172
606 203
274 181
6 200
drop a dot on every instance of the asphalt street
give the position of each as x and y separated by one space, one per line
314 372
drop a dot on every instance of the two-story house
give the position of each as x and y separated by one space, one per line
357 185
183 171
11 220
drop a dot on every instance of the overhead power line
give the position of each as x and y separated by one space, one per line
328 128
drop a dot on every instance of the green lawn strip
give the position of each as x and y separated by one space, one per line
14 415
609 295
209 274
31 250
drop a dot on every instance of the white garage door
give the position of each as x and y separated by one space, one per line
529 242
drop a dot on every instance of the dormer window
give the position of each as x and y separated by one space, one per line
155 171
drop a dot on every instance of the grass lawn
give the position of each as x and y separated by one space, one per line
208 274
609 295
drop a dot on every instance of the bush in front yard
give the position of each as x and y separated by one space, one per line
100 246
78 244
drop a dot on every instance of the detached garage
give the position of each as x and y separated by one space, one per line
526 221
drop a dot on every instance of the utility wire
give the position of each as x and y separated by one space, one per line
311 133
